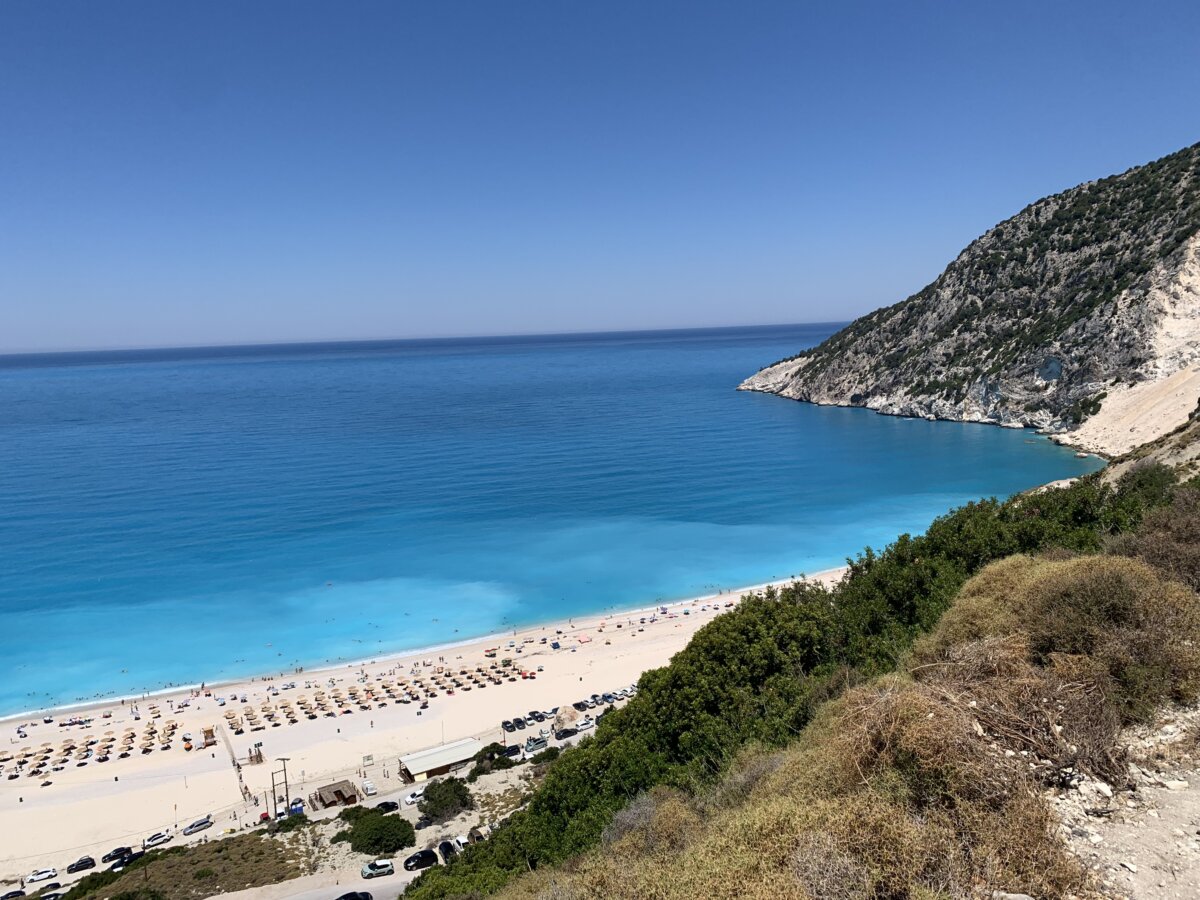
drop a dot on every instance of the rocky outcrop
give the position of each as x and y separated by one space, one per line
1082 296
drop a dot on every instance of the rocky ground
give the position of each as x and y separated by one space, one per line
1142 839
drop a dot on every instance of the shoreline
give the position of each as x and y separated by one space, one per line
52 815
186 690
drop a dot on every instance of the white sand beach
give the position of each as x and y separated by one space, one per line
89 806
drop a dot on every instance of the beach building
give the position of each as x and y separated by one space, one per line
438 760
337 794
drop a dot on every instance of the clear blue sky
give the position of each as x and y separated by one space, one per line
229 172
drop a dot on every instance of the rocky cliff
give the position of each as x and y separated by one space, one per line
1072 315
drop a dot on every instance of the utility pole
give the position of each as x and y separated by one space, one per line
287 801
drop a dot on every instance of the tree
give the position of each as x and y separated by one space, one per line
381 835
446 798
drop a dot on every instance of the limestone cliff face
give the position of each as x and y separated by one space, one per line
1082 295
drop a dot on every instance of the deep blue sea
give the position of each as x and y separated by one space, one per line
173 516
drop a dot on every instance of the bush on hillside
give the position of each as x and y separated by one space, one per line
381 835
353 813
490 759
1113 620
291 823
446 798
1169 539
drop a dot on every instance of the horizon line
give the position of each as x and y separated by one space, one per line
12 355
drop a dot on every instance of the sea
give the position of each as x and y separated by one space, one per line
177 516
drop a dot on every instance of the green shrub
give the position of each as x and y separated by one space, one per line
1169 539
549 755
446 798
381 835
490 759
291 823
352 814
206 872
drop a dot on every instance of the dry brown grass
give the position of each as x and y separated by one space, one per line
1113 621
891 793
232 864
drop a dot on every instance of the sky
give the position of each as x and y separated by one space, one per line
232 172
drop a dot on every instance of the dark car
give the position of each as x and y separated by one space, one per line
422 859
565 733
356 895
423 822
12 895
580 705
520 722
387 806
512 750
81 865
125 860
507 725
448 851
535 716
113 855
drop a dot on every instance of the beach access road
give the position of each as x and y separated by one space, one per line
330 886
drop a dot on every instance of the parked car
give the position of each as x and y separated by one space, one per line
81 865
448 851
12 895
369 788
124 861
508 726
512 750
378 867
422 859
156 839
536 716
411 799
387 806
564 733
41 875
199 825
534 744
584 724
580 705
356 895
113 855
423 822
518 722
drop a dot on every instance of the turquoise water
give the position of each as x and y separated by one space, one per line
174 516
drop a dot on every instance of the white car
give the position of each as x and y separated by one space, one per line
369 788
159 837
584 724
378 867
411 799
42 875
